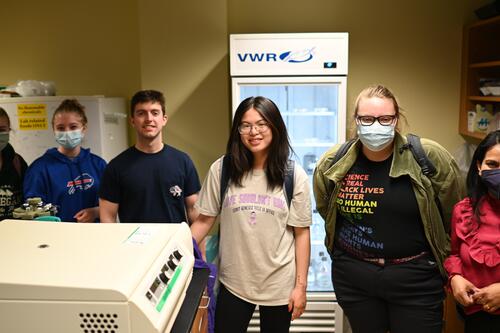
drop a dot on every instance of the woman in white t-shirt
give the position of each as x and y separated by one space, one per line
264 242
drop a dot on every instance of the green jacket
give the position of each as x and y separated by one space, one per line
446 186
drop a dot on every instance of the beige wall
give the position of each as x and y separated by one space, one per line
184 54
116 47
86 48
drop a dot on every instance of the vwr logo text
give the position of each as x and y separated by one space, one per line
288 56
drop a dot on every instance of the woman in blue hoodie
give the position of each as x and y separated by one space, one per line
69 175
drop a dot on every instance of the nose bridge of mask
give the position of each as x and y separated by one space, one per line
376 132
4 136
491 175
376 128
69 134
69 139
491 178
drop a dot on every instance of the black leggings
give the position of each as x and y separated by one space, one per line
232 315
482 322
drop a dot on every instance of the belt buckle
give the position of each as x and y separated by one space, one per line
376 261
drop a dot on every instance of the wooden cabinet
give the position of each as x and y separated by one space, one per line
200 323
451 322
480 60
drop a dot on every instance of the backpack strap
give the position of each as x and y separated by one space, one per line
288 182
426 165
17 165
415 146
338 155
342 151
224 177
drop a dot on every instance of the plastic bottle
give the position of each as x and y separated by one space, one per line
324 279
311 273
316 230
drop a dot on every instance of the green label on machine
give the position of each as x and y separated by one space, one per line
167 292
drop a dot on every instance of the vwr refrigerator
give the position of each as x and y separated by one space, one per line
31 123
305 74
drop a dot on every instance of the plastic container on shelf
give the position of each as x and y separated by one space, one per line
471 117
495 122
482 119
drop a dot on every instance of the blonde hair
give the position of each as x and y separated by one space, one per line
379 91
71 106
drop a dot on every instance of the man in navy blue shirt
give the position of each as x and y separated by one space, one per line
151 181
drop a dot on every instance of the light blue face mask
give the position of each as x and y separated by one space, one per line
4 140
376 137
69 139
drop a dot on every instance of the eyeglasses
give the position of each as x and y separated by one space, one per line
246 128
382 120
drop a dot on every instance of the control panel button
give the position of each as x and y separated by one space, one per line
163 277
172 264
155 285
177 255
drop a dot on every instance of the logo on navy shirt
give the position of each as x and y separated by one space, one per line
175 191
82 182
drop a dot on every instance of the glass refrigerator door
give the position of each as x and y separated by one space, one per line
314 113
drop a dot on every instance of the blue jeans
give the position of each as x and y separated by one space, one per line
400 298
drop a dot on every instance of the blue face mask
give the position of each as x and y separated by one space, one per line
376 137
4 140
69 139
491 178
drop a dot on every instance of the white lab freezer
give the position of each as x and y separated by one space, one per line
31 123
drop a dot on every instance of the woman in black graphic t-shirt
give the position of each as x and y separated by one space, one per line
386 233
12 170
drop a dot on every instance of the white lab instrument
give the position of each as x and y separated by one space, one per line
92 277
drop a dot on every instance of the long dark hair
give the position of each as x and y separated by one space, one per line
475 187
241 159
4 114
